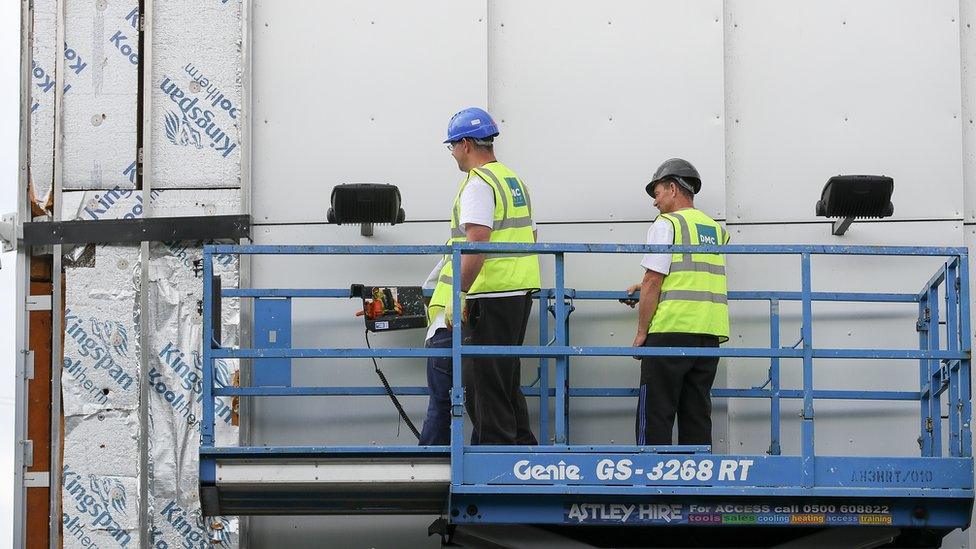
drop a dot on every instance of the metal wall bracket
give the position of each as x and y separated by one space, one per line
150 229
29 364
10 231
28 452
39 302
37 480
841 225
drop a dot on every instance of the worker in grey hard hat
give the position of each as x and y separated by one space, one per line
678 170
683 303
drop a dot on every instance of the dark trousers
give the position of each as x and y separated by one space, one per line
492 385
674 385
437 425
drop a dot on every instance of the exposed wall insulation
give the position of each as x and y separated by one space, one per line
43 61
175 375
196 88
101 379
101 61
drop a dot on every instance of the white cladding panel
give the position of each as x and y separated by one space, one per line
357 92
540 68
967 32
593 96
842 427
816 89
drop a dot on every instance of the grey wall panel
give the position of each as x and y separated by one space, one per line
842 427
378 84
591 97
967 44
817 89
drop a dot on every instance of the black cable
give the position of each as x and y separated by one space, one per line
389 391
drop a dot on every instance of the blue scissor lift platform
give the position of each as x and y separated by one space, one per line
616 491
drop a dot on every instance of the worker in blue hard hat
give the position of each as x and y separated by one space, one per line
683 303
491 205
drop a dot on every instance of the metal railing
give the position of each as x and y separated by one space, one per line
944 367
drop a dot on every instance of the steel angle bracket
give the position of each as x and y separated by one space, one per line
151 229
10 232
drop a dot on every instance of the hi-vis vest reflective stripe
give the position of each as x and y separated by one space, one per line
512 223
694 296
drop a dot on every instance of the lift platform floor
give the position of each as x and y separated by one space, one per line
592 487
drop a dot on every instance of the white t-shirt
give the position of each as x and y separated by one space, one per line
478 204
661 232
478 208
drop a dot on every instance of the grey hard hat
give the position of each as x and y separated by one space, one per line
681 171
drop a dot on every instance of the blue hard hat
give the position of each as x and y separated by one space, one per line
471 122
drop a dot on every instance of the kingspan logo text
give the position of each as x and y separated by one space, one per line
99 509
107 201
180 128
191 379
95 350
214 95
126 46
45 80
192 528
182 250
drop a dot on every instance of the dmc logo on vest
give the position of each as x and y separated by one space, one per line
707 236
517 193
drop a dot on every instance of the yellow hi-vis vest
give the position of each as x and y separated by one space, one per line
694 296
501 272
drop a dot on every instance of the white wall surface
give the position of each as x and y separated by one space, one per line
594 95
768 99
819 89
353 92
967 43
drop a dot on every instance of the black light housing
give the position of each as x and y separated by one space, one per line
855 196
366 204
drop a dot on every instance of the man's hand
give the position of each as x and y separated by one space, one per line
631 290
650 293
449 311
639 340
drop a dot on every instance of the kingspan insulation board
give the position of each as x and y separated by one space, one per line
196 90
101 64
100 382
175 374
102 378
43 60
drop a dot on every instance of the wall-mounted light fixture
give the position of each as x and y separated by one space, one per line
366 204
855 196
